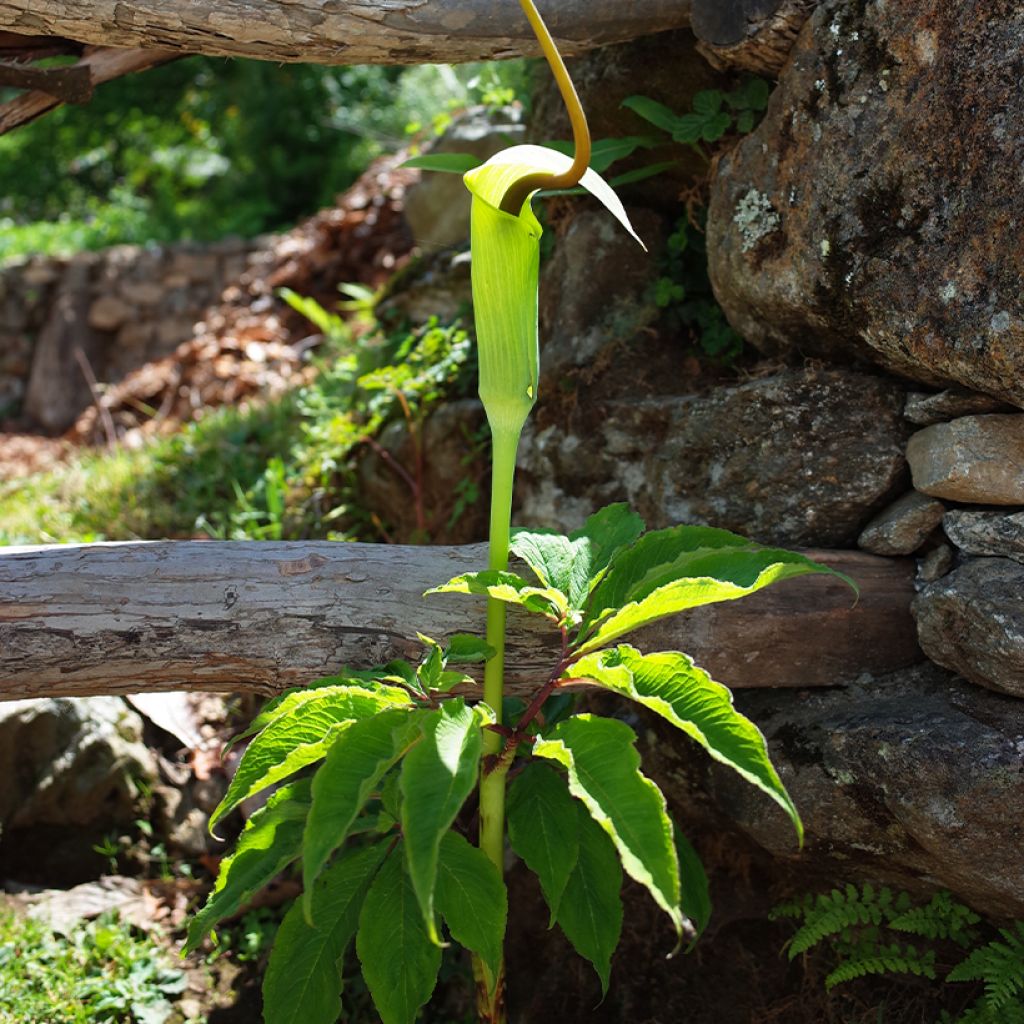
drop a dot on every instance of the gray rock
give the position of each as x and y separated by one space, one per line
925 408
803 457
972 621
437 284
596 291
71 762
936 564
904 526
977 459
912 779
986 533
437 208
874 211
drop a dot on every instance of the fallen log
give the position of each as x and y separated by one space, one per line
349 32
80 620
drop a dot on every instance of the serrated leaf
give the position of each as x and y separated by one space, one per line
669 684
398 958
303 982
689 128
651 110
574 565
693 885
270 841
472 899
305 726
437 776
745 122
510 588
590 911
277 706
542 829
604 772
668 571
447 163
354 766
707 101
715 127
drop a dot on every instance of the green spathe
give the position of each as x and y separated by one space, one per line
505 269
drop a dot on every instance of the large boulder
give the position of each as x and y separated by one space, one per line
911 779
972 621
802 457
71 762
875 212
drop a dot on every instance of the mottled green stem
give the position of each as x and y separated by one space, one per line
492 785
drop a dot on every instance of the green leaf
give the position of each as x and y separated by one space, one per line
715 127
574 565
643 173
472 899
689 128
745 121
510 588
464 647
590 911
399 960
693 880
305 725
686 696
304 978
651 110
668 571
605 152
437 776
270 841
604 772
542 829
447 163
708 101
355 764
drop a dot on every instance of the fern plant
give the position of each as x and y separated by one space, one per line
863 929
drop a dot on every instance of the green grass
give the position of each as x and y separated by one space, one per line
101 973
281 471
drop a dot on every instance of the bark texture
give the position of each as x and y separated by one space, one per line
123 618
96 67
342 31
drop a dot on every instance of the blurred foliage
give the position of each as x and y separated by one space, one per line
203 147
282 470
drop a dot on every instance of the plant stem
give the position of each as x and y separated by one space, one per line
491 1008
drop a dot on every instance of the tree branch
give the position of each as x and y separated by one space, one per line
243 616
342 31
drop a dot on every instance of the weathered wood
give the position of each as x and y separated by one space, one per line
97 66
121 618
342 31
753 35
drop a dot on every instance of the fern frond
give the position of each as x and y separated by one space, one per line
892 959
942 918
834 914
1000 965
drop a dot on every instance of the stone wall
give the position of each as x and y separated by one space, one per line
119 308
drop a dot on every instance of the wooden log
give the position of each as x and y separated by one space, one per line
751 35
344 32
240 616
98 66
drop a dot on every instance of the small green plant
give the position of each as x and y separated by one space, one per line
712 113
99 973
396 754
865 931
684 293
